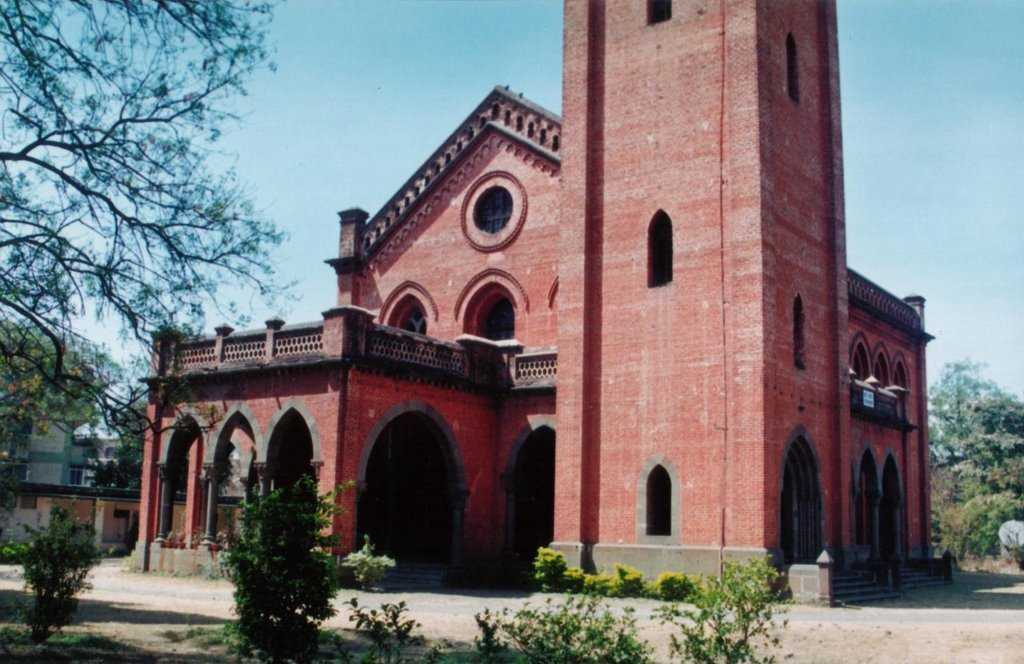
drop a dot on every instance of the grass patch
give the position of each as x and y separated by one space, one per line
204 637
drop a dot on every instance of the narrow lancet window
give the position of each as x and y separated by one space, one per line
792 70
659 502
659 251
798 333
659 10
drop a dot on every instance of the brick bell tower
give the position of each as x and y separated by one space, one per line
702 215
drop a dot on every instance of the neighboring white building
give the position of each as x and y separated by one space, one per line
53 468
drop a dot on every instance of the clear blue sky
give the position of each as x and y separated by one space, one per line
933 130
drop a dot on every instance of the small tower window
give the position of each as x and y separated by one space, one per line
659 251
659 10
659 502
501 321
798 333
792 69
861 368
881 370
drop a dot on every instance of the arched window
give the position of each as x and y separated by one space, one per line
659 10
798 333
501 321
659 251
860 363
659 502
900 376
792 70
881 369
415 321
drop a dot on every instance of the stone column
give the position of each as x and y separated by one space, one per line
508 480
99 510
458 514
264 475
210 475
166 502
874 498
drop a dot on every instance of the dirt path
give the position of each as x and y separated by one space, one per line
980 618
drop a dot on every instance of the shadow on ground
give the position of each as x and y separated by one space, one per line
96 611
969 590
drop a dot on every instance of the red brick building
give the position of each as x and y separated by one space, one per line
630 331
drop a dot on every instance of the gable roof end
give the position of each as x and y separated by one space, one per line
528 123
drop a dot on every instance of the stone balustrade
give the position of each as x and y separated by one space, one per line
349 334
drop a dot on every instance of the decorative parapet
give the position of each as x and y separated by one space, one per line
397 345
879 405
868 295
348 334
535 368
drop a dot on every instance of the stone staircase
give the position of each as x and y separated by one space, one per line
912 578
856 587
415 577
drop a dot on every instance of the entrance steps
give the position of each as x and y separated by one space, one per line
911 578
857 587
415 577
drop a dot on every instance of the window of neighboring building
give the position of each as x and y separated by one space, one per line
415 321
493 210
659 502
659 251
501 321
798 333
80 476
27 502
659 10
21 472
792 69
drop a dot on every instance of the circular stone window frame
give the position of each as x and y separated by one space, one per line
480 239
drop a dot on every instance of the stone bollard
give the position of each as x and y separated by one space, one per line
826 567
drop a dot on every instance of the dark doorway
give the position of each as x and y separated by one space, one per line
866 502
888 512
534 505
406 507
800 533
659 502
290 452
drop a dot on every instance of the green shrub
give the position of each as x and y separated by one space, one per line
390 633
489 646
582 630
973 527
600 585
629 582
56 563
12 554
731 619
368 569
549 569
673 587
573 580
284 578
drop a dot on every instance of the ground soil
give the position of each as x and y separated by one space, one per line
979 618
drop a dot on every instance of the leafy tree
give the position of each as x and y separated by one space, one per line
978 450
56 565
283 572
110 203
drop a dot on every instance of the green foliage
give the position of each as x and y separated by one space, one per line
732 617
391 635
489 646
673 587
548 569
973 528
282 571
629 582
978 459
600 585
582 630
13 554
573 580
368 569
56 565
124 470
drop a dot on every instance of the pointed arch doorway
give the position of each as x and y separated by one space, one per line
411 503
531 494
